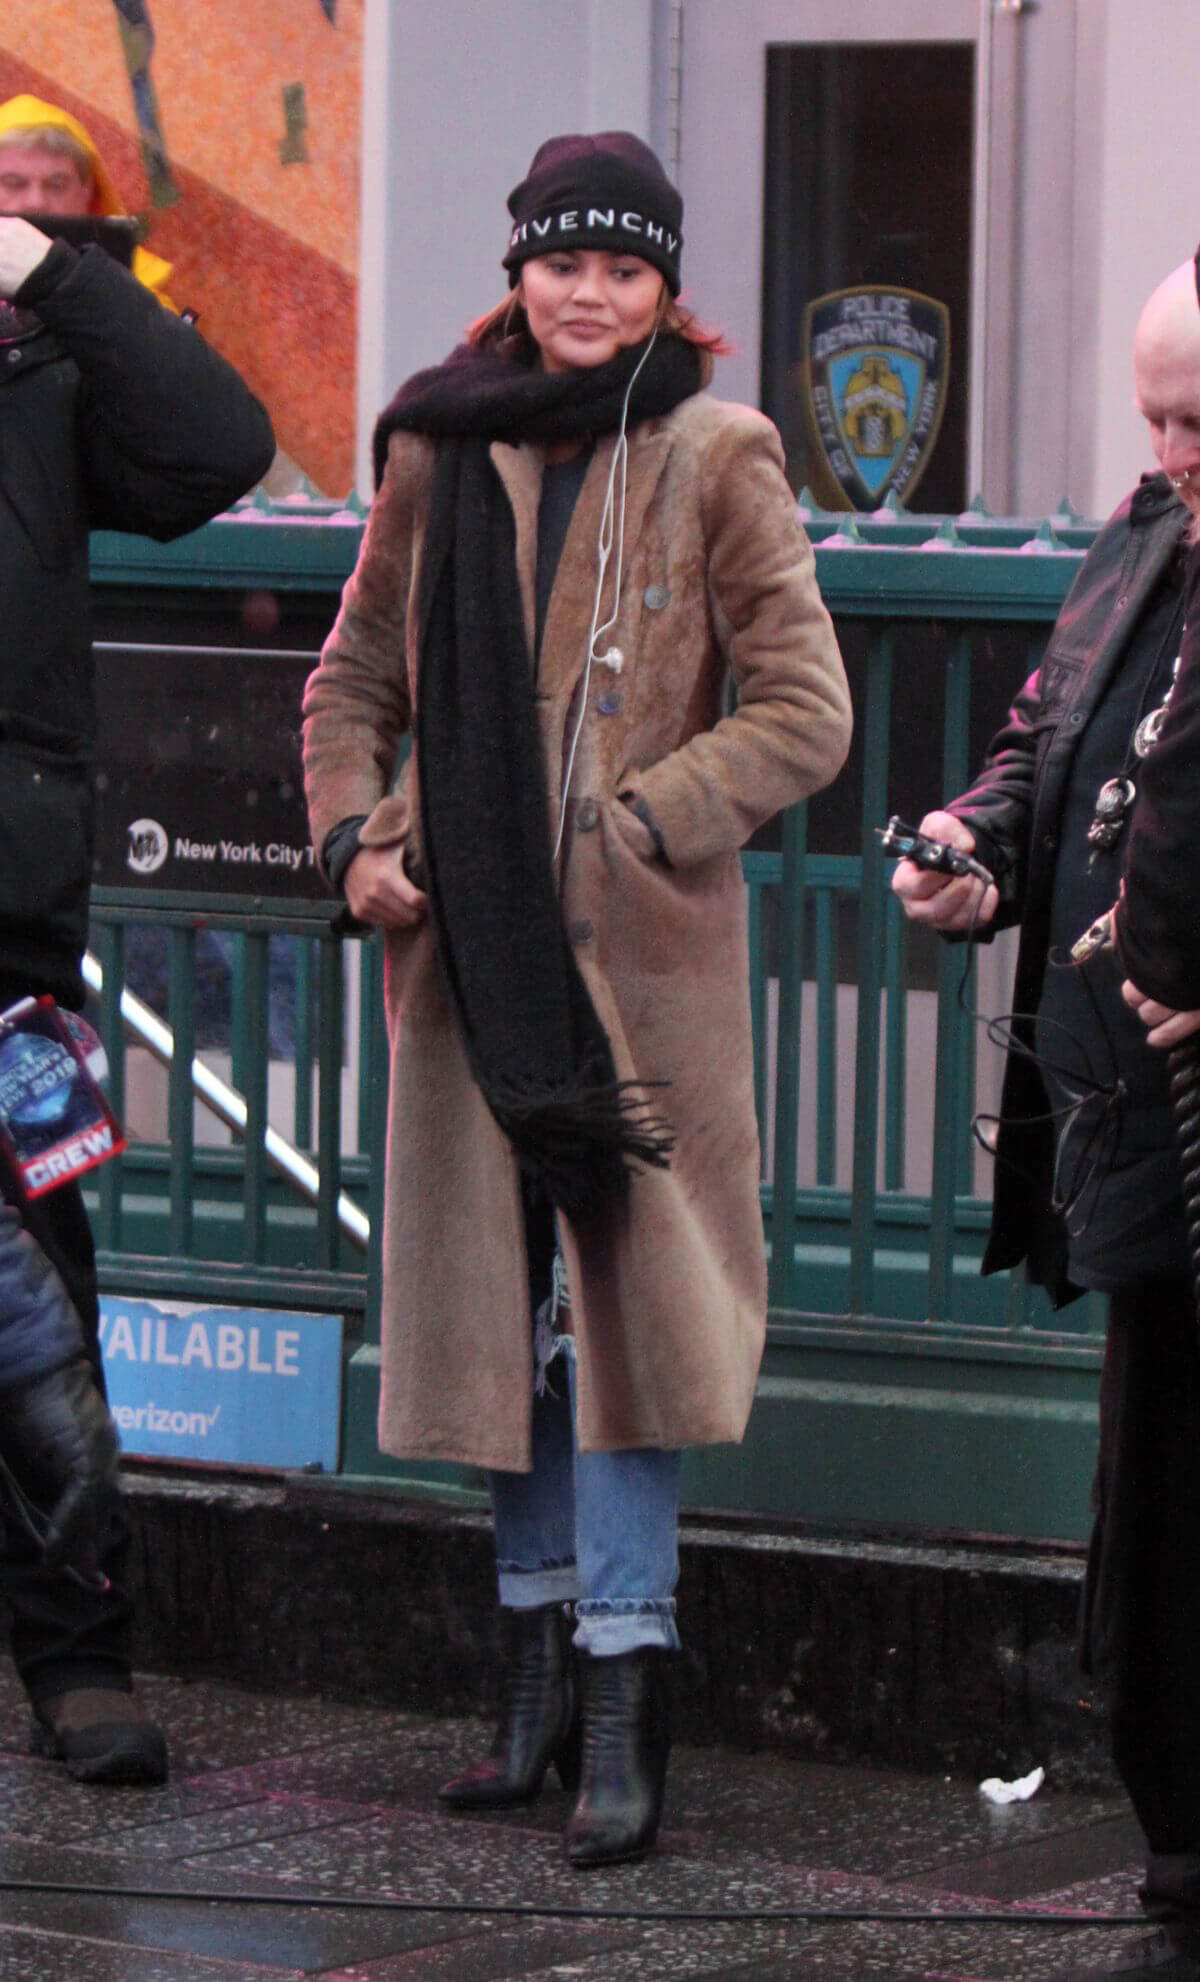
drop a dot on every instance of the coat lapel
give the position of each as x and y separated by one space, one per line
568 616
564 636
1147 560
520 470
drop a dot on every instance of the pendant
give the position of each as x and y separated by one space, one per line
1148 731
1113 801
1099 936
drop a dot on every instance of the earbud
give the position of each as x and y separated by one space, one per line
613 658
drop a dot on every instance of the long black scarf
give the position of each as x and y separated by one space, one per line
536 1046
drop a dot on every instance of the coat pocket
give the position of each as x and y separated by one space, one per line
632 830
655 920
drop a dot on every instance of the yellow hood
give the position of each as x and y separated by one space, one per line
30 112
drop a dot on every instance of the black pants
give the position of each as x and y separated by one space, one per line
1142 1609
65 1635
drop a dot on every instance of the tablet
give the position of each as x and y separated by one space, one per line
117 234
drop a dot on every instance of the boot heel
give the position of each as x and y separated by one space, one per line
537 1716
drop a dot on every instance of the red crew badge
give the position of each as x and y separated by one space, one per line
54 1120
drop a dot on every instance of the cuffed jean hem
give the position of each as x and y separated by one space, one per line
527 1589
608 1626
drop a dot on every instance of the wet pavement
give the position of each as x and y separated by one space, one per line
298 1800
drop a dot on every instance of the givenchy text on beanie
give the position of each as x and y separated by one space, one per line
607 191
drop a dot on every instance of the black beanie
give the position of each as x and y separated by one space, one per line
607 191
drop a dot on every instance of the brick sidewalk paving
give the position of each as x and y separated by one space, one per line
284 1797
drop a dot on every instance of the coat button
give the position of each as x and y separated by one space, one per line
580 932
14 356
608 705
587 814
656 597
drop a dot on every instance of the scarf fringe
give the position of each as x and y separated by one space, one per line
581 1142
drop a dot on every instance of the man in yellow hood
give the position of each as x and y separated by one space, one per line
49 164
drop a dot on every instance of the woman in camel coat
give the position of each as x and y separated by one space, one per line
572 550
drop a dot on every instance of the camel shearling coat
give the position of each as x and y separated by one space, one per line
668 1292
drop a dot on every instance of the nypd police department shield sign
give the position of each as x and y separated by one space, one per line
878 363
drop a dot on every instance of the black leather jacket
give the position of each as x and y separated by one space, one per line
1014 809
117 416
1158 921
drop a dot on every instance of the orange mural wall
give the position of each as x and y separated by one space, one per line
233 129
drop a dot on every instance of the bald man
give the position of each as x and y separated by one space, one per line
1157 923
1087 1183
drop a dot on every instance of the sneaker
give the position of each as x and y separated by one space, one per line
1157 1957
101 1735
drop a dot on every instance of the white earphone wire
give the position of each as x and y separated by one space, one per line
612 526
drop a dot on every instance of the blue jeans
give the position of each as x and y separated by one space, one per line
596 1529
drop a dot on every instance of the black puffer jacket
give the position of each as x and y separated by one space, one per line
117 416
1014 810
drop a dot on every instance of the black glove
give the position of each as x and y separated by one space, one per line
59 1442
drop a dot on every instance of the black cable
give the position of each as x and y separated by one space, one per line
1093 1161
806 1915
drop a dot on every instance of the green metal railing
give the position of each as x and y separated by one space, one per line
883 1341
281 1208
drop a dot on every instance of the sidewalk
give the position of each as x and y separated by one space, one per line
286 1797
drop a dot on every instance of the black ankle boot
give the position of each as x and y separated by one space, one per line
626 1741
539 1717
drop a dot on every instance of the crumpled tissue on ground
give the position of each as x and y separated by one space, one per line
1013 1792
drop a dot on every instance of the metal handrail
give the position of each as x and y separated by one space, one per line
228 1105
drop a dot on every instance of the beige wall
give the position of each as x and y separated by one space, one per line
457 96
1138 156
458 93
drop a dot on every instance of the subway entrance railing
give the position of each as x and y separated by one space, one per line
898 1388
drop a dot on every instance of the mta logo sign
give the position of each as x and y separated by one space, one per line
146 846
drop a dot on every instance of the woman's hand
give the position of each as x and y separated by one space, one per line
635 831
1165 1027
379 891
951 902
